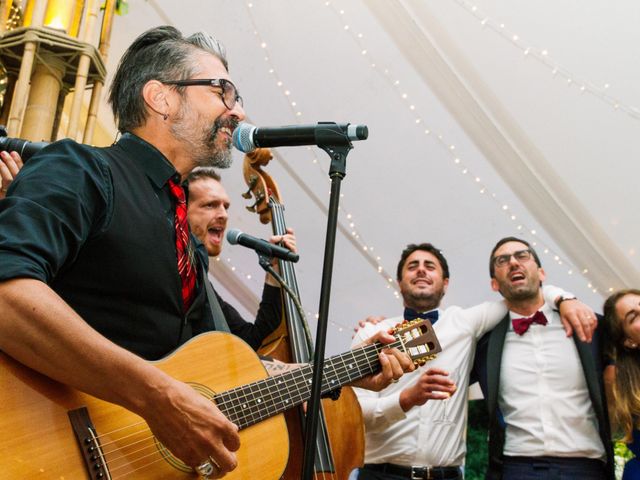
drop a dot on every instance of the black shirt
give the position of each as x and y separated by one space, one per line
97 225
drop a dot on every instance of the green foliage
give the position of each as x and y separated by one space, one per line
622 456
477 445
122 7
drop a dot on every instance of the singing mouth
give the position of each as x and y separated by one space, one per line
216 233
517 277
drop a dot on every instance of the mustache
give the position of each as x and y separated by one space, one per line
230 123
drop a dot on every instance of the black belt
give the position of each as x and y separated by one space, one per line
545 461
415 473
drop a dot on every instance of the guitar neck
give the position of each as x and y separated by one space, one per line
254 402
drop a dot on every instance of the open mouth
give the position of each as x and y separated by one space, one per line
227 131
215 234
517 277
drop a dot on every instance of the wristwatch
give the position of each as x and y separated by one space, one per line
562 299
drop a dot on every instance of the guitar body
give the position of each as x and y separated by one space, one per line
37 440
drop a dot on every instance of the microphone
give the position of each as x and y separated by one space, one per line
247 137
25 148
235 237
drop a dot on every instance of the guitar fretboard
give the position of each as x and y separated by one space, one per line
254 402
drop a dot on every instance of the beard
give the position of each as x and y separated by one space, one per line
422 301
202 141
520 293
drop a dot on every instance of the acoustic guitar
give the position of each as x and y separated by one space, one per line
48 430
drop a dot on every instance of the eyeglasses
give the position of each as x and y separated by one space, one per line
520 256
229 94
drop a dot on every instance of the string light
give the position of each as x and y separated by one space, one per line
237 271
355 236
450 148
14 18
542 56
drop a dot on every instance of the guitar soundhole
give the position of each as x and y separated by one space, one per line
164 452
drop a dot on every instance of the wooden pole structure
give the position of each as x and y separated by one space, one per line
4 14
84 65
96 94
46 85
21 90
8 94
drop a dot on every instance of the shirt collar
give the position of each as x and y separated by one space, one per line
548 311
411 314
157 167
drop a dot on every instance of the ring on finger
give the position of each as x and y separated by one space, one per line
213 460
205 469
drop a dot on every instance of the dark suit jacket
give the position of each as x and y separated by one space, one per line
487 371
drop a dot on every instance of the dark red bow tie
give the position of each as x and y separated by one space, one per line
521 325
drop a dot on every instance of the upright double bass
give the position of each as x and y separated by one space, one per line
340 439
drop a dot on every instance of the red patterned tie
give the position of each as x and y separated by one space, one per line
521 325
186 268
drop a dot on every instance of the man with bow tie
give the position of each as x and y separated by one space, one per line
544 390
408 436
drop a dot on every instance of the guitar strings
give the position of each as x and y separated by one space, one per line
113 432
138 468
134 456
243 397
362 357
251 404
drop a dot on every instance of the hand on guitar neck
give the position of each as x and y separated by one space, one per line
287 240
394 364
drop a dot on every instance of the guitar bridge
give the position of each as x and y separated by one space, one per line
89 444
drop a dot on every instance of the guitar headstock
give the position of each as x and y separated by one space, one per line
418 340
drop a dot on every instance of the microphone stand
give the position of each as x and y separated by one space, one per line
337 145
265 262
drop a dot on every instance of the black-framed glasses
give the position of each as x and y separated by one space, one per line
229 94
520 256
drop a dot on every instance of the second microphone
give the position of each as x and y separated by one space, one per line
236 237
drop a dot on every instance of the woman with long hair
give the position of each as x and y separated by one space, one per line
622 316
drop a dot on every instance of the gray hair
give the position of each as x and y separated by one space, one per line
161 53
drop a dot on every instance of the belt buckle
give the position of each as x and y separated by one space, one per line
421 473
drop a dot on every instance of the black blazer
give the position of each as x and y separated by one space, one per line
486 370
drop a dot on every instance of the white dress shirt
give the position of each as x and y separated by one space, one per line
432 434
543 394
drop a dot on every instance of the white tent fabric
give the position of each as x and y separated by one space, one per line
487 118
